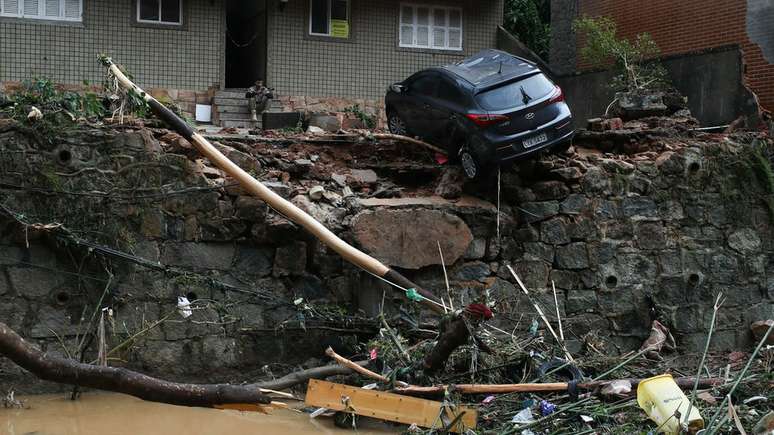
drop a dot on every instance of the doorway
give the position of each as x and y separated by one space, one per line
245 42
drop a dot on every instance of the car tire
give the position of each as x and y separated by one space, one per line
396 124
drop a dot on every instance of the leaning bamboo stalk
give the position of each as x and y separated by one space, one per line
684 383
360 369
283 206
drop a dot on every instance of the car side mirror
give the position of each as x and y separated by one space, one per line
399 88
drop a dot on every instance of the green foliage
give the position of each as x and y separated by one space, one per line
41 93
530 21
637 71
368 120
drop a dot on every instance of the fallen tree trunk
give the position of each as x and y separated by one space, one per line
121 380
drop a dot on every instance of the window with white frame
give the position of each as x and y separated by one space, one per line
425 26
59 10
329 18
160 12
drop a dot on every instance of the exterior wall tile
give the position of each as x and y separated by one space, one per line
365 65
187 57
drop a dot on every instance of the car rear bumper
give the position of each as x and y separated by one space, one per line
512 147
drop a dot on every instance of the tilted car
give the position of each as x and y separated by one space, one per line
487 109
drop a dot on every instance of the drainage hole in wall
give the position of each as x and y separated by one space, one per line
191 296
694 278
611 281
62 298
64 156
694 167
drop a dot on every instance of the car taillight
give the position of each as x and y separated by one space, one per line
557 96
485 120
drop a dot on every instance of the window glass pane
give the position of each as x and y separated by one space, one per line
439 17
10 7
319 16
423 16
449 92
424 85
170 11
423 38
512 94
339 9
407 15
149 10
72 9
455 18
439 37
455 38
406 35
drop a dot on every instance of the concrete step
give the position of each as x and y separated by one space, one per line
242 101
231 93
234 116
240 124
232 109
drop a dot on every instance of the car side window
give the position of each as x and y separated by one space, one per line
450 92
425 85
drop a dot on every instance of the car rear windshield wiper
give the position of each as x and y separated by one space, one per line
525 96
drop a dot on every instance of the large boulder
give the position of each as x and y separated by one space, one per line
408 238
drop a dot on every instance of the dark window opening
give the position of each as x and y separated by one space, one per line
329 18
159 11
425 85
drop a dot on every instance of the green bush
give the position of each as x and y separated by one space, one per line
635 61
530 21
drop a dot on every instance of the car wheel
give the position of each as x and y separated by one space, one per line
396 124
469 164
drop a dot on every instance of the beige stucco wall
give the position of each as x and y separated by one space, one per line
365 65
188 57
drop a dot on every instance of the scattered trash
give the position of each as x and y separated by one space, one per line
313 129
707 397
35 114
372 354
754 399
523 417
546 408
316 193
184 307
616 389
586 419
487 400
659 338
318 412
664 402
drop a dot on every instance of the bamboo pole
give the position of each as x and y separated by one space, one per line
283 206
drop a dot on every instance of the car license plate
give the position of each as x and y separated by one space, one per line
535 140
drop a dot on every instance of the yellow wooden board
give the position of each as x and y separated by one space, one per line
388 406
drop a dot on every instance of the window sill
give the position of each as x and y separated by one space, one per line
161 26
322 38
66 23
460 52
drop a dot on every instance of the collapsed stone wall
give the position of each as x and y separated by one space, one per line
625 239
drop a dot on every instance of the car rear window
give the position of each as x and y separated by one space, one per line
516 94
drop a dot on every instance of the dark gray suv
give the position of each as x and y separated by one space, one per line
490 108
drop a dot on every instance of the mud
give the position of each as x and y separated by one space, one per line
116 414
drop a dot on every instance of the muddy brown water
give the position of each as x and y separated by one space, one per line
117 414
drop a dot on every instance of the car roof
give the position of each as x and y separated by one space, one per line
490 67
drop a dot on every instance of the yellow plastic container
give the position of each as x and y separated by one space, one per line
660 397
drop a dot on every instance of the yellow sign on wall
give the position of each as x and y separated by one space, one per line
339 29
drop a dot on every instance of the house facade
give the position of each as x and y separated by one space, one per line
316 54
687 26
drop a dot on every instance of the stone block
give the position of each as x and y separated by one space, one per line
408 238
33 283
639 208
309 287
554 232
572 256
250 208
472 271
650 235
290 259
539 251
575 203
364 176
532 212
744 241
476 250
330 123
200 256
254 261
579 301
550 190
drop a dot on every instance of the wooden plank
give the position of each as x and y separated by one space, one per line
388 406
253 407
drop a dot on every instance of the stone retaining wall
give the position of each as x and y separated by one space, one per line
625 239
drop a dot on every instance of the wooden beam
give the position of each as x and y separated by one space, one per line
389 406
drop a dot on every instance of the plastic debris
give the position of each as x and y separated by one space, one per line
586 419
184 307
372 354
523 417
412 295
754 399
35 114
546 407
487 400
318 412
617 389
661 399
